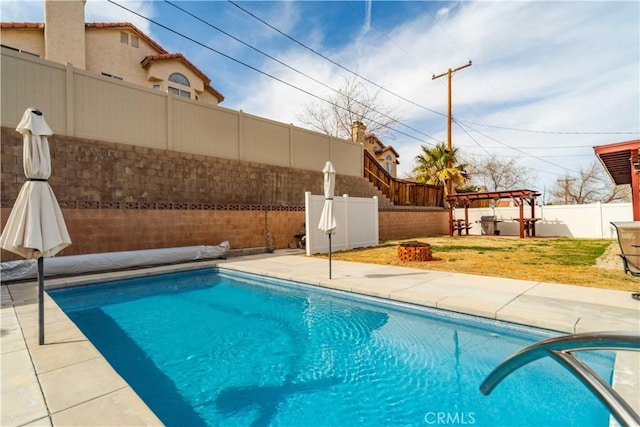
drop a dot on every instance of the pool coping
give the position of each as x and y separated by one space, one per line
68 382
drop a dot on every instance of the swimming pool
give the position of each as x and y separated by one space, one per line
211 347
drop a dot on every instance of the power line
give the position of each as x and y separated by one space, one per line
316 96
552 132
296 70
260 71
509 107
334 62
519 150
474 140
408 100
404 98
541 157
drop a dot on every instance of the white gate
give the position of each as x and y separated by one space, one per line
356 219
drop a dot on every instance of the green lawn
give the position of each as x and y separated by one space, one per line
554 260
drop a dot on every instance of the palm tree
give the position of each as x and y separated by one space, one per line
433 167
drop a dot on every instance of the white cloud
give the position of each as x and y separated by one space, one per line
95 11
551 66
22 10
367 17
442 13
103 11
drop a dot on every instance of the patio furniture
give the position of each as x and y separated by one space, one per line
629 241
528 225
459 225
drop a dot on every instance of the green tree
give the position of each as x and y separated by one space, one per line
433 167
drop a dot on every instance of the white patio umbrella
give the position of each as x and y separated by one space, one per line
327 219
35 227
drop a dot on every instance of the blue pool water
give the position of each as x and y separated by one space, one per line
215 348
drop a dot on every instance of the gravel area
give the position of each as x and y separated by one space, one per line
610 259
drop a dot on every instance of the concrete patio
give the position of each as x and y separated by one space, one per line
66 382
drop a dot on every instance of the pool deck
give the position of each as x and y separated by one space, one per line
66 382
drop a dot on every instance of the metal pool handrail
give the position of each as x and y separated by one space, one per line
560 350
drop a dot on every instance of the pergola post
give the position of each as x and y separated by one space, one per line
467 203
518 197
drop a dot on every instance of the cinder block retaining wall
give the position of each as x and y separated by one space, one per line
96 171
409 223
118 197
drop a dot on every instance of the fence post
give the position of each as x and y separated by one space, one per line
240 133
601 220
169 121
70 99
330 148
345 229
307 216
291 145
375 219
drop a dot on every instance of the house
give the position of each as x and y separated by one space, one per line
384 154
117 50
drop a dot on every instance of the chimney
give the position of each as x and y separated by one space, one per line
64 32
357 132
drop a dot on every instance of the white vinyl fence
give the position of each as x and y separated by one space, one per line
356 219
585 221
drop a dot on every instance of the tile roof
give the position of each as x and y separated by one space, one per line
162 53
129 26
382 146
180 57
17 25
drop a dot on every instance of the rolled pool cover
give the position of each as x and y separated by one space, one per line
92 263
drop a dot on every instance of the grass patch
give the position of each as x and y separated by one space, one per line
443 248
553 260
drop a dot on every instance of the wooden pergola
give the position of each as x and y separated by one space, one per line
519 197
621 163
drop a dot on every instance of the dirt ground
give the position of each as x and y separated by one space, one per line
610 260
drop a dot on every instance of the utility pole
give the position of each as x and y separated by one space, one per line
566 181
449 145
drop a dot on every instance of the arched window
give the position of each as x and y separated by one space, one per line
388 164
179 78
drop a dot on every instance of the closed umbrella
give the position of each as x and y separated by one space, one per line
327 220
35 227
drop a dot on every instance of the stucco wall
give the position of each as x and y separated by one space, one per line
100 50
31 40
64 39
106 54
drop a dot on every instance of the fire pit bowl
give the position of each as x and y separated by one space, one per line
414 251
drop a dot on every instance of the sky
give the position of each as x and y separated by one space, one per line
549 80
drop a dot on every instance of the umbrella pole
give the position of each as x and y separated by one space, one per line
329 256
41 300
